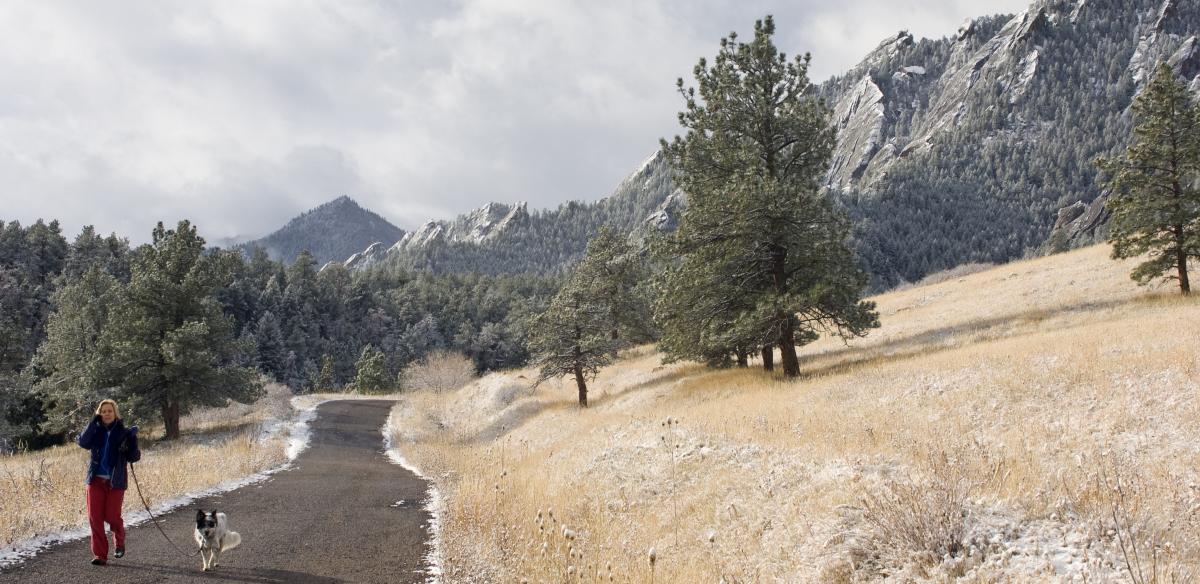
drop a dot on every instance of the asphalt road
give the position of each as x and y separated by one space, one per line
333 517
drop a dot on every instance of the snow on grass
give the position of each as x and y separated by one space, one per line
979 436
434 504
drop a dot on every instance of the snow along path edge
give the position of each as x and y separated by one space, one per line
433 503
298 434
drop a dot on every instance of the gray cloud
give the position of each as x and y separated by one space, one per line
241 115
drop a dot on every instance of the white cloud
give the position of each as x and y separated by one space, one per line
240 115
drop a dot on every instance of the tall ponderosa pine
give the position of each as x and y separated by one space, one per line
1155 200
762 254
172 346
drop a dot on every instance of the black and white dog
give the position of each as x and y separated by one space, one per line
213 537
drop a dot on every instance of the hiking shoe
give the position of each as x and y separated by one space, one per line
120 553
98 561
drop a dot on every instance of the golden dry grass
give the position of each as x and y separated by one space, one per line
41 492
997 410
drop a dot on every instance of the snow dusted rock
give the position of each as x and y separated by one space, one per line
478 226
666 218
1165 40
859 118
366 258
1007 59
1079 6
1077 222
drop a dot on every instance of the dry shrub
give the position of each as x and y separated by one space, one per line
1153 549
439 371
916 520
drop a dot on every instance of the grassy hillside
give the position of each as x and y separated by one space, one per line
1023 423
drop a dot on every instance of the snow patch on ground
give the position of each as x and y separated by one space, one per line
434 504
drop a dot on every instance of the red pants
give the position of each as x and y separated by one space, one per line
104 505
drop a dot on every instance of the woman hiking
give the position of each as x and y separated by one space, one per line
112 446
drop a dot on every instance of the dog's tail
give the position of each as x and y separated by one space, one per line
231 540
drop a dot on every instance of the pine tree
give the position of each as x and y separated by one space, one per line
72 361
762 253
272 352
573 336
324 381
172 347
618 274
372 376
1155 201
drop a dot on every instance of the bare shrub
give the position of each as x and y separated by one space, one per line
1151 551
919 520
439 371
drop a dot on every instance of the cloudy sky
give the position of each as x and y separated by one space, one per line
239 115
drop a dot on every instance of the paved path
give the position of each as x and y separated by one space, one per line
331 518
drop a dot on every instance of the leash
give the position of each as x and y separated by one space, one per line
154 519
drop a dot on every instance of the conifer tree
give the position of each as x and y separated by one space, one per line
324 381
1155 201
617 275
172 346
372 376
573 336
762 253
72 361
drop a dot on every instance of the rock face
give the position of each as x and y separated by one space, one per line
859 118
366 258
1079 224
930 98
480 225
1165 36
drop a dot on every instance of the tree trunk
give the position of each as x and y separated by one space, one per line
787 348
1185 287
742 358
768 356
170 415
582 386
579 378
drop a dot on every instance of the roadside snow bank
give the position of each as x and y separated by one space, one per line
433 502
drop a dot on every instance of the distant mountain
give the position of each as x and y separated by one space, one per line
501 238
974 147
331 231
978 147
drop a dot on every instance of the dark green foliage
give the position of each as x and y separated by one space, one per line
573 336
371 376
762 254
1155 201
172 347
600 308
73 362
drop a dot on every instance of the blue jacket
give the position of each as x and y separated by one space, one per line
107 456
